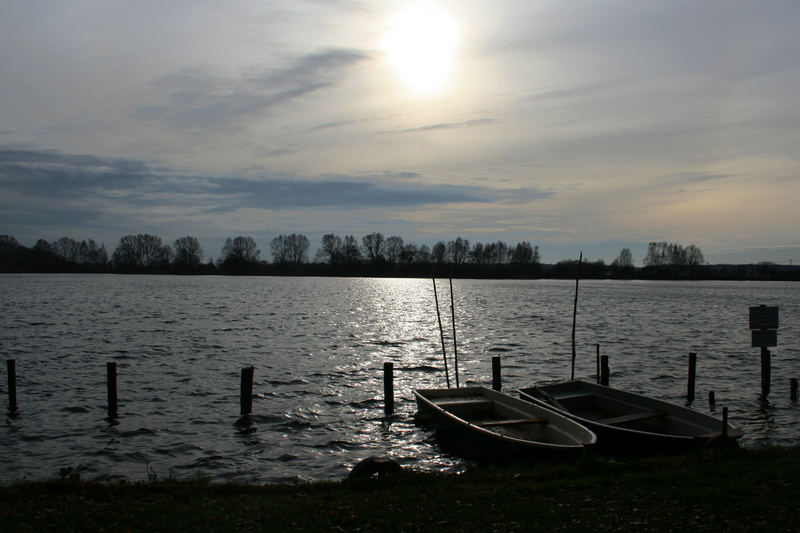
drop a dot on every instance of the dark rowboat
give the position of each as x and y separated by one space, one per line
486 423
624 421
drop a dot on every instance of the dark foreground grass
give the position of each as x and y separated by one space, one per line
712 490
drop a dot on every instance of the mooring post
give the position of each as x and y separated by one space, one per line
711 400
597 362
793 389
111 382
496 379
765 371
388 388
246 396
604 372
11 365
692 373
725 422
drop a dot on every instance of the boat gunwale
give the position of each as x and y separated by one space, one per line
732 432
525 443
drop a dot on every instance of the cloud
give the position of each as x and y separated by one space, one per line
702 176
196 98
49 173
444 126
336 124
86 179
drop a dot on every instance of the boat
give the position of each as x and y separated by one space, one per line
626 422
488 424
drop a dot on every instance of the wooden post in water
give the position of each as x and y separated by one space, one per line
604 372
388 388
711 400
246 394
765 371
11 366
496 380
793 389
597 362
692 373
111 382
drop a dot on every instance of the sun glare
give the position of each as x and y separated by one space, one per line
420 45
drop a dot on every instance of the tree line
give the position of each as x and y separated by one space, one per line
144 252
373 254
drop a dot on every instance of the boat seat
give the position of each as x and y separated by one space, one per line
512 422
571 396
632 417
465 402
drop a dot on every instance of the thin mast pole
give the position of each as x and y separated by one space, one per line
441 333
574 314
453 316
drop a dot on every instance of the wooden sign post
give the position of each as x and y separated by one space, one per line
764 326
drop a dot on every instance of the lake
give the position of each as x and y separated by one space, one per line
318 346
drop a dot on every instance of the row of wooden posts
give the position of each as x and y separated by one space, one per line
602 378
246 399
246 391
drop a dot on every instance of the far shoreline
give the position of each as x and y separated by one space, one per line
560 271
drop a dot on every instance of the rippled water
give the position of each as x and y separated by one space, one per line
318 346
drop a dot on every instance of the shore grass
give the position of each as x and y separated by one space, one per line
710 490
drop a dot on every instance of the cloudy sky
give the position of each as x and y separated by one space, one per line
576 125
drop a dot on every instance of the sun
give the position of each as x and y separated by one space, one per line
420 45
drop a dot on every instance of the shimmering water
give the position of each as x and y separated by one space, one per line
318 346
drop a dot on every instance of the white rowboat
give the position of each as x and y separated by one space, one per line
490 422
625 421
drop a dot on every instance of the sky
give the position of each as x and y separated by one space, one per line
575 125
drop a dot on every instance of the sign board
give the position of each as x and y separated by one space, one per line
763 317
765 338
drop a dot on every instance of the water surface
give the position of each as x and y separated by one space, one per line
318 346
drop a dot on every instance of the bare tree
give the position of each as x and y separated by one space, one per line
351 250
43 246
188 251
439 252
496 253
476 255
664 253
624 259
289 248
332 249
522 254
141 251
423 254
67 249
676 254
694 256
457 250
298 248
656 254
8 241
240 248
409 253
89 252
393 247
374 246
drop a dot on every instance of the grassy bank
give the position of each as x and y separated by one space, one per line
719 490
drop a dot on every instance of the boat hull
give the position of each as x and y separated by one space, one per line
486 424
626 422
